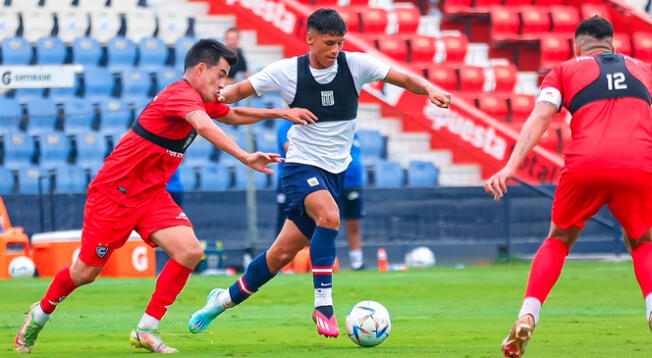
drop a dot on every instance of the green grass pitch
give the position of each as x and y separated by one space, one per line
596 310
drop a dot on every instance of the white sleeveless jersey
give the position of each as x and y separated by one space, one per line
324 145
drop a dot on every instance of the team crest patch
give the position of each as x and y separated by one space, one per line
327 98
101 251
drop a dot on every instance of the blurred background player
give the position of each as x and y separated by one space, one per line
129 193
175 188
238 71
327 81
609 161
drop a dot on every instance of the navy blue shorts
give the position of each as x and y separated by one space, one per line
301 180
351 204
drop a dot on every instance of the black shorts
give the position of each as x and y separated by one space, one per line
351 204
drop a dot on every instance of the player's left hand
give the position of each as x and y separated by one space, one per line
439 98
299 116
259 161
497 184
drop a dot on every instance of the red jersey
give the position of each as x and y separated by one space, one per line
609 98
138 168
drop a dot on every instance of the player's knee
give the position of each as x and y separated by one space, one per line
190 255
283 255
329 219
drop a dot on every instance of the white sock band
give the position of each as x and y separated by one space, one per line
531 306
148 322
648 306
39 316
323 297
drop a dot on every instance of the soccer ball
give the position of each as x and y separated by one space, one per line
421 258
21 267
368 323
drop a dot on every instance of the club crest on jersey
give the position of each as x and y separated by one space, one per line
327 98
101 251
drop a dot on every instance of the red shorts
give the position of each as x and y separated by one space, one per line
108 225
627 193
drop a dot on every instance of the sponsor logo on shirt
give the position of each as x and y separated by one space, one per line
175 154
313 181
182 216
327 98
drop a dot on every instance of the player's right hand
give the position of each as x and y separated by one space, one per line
259 161
299 116
497 184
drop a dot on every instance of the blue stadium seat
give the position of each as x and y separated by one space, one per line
16 51
240 137
188 178
115 116
86 51
29 178
260 179
139 105
153 54
99 83
388 174
55 150
70 179
42 114
60 94
11 115
19 150
422 174
214 177
78 114
199 152
266 141
91 148
167 76
6 181
371 146
121 54
268 100
181 47
136 85
50 51
24 95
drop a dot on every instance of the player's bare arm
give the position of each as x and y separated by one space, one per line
206 128
246 115
419 85
237 91
532 130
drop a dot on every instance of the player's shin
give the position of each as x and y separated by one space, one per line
322 256
642 260
59 289
169 284
256 275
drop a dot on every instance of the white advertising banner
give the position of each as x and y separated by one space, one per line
37 76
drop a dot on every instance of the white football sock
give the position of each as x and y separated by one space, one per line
355 256
648 306
323 297
39 316
224 299
148 322
531 306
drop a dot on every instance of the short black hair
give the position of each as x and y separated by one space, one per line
209 52
327 21
596 27
232 29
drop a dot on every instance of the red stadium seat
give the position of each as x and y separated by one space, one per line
554 49
643 46
408 19
351 18
504 23
536 20
420 68
471 78
325 2
443 76
494 104
422 48
505 77
358 2
564 19
457 6
549 2
622 44
485 5
456 47
374 21
394 47
518 2
521 106
590 10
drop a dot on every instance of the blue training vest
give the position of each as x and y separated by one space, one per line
333 101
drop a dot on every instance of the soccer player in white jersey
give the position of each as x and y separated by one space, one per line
327 81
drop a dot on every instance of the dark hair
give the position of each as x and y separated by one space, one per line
209 52
596 27
327 21
232 29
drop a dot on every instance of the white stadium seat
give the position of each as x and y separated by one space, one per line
58 5
37 24
92 5
72 24
140 24
20 5
104 25
124 5
8 23
172 26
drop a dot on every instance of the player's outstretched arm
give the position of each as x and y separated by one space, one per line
236 92
532 130
206 128
246 115
419 85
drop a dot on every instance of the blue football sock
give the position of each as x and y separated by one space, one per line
256 275
322 256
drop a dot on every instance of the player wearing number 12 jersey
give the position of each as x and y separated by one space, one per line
608 161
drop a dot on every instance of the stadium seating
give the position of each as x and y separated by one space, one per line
42 116
388 174
166 76
105 25
9 22
140 23
181 47
374 20
471 78
171 26
86 51
392 46
61 94
91 148
72 24
188 177
99 83
121 54
11 115
422 48
494 104
554 49
642 46
6 181
564 19
521 105
443 75
33 180
153 54
266 142
37 23
504 77
372 146
79 115
115 116
408 19
50 51
505 23
19 150
16 51
136 85
456 48
422 174
54 149
69 179
199 153
260 179
214 177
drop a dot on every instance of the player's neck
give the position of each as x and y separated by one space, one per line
594 50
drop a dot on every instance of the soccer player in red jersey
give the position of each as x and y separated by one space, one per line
129 192
608 161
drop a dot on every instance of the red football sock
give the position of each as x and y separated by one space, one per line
169 284
546 268
642 258
59 289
